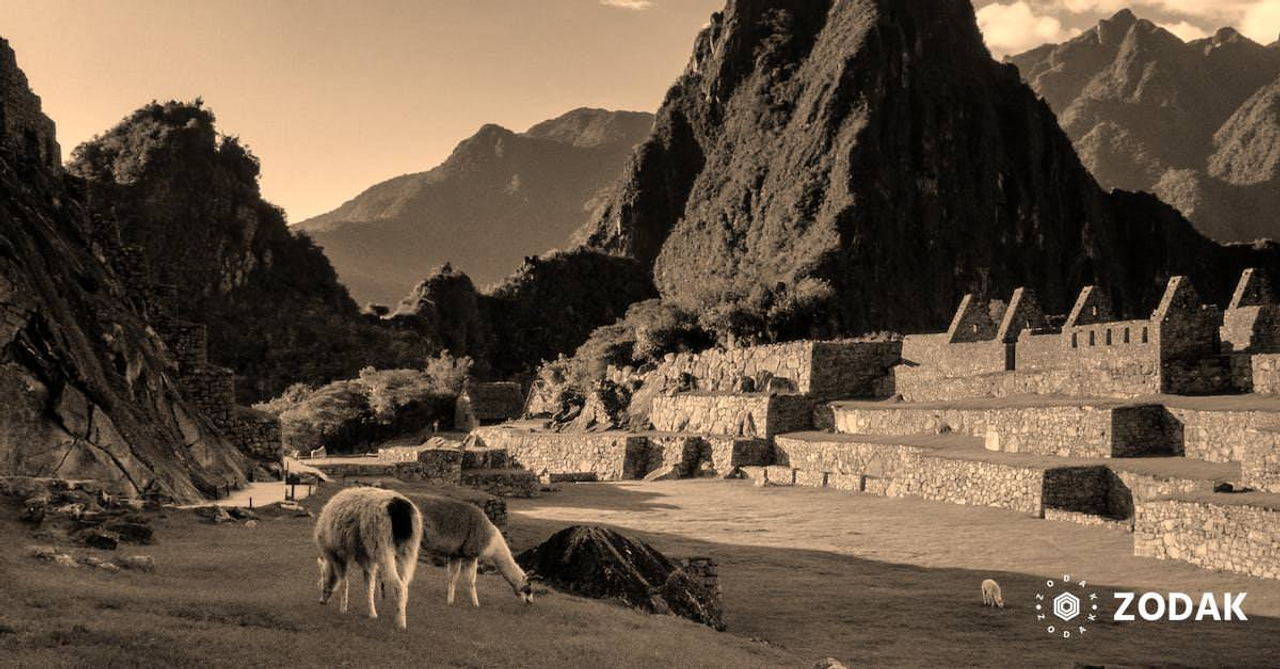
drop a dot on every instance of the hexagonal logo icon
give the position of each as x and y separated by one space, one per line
1066 606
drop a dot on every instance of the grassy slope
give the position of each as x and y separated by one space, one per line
233 596
870 580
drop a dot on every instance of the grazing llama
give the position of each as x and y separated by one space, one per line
991 595
380 530
461 533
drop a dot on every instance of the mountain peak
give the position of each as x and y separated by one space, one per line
587 127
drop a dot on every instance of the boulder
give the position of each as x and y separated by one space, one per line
599 563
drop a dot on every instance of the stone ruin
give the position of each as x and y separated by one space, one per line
210 388
1159 427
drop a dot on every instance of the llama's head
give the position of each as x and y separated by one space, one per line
524 588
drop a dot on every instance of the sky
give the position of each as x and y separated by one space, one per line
334 96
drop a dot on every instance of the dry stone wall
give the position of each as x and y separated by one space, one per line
1219 436
1068 431
605 456
1234 537
1264 374
896 470
738 415
822 369
1260 466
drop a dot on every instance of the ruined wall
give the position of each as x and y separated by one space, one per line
687 452
1234 537
1134 381
1254 329
822 369
439 465
1219 436
896 470
741 415
1264 373
1260 464
933 355
605 456
1067 431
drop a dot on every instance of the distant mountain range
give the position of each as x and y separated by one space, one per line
500 197
1197 123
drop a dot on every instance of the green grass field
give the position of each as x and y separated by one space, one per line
806 574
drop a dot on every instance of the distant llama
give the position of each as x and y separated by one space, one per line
380 530
461 533
991 595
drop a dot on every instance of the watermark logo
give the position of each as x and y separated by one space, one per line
1067 607
1179 606
1064 607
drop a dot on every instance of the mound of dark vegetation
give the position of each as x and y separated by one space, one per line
599 563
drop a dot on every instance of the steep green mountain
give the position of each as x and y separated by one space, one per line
189 196
872 154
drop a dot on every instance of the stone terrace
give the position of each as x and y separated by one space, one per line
1142 426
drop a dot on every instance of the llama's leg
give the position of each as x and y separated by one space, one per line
471 567
371 587
328 579
399 584
346 586
452 567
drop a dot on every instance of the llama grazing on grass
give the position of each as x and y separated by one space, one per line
461 533
380 530
991 595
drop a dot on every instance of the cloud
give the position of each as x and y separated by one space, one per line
1014 28
1185 30
1261 22
633 5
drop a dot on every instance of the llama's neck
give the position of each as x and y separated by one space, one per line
500 554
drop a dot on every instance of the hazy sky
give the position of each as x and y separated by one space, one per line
336 95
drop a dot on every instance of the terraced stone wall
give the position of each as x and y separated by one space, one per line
1234 537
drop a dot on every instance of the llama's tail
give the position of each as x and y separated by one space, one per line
406 534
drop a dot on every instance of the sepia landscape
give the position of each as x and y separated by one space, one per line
895 333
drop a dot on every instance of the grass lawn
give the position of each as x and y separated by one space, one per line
807 573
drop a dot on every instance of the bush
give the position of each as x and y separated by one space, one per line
353 415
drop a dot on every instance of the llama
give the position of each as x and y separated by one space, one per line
991 595
461 533
380 530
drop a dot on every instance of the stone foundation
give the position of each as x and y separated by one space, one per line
1234 536
1219 436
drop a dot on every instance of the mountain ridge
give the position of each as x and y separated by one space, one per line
500 196
1147 111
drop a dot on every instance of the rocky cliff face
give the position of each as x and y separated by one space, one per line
85 383
189 197
875 146
1185 121
500 197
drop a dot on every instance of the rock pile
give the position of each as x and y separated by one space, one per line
81 512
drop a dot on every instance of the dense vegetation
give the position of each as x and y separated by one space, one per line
353 414
189 196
